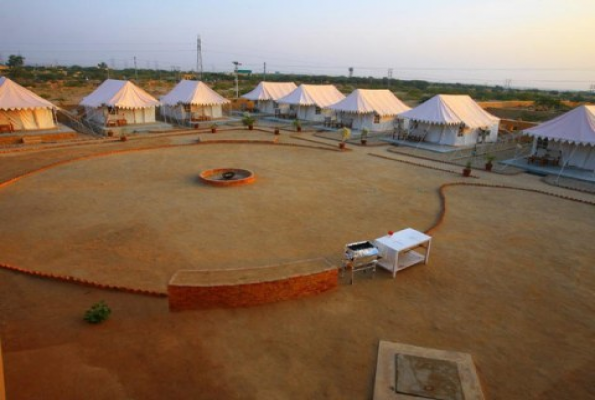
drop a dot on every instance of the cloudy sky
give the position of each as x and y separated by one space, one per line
528 43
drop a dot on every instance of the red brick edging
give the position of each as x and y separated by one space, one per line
71 279
442 195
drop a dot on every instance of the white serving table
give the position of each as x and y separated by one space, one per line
397 250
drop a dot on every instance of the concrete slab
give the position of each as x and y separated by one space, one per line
438 148
410 372
568 172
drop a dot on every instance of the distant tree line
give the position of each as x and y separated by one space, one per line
410 90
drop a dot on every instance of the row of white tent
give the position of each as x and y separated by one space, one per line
453 120
115 99
445 119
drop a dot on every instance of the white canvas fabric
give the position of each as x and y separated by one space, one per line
15 97
451 110
575 127
120 94
362 101
321 96
194 93
270 91
23 109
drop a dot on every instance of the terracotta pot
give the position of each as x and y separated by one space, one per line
213 130
364 142
342 145
123 138
276 131
299 128
110 133
196 126
489 166
467 172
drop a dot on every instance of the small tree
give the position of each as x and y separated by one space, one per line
98 312
345 134
16 65
15 61
248 120
103 66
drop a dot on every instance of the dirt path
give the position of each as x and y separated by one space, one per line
510 281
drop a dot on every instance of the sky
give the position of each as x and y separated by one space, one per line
546 44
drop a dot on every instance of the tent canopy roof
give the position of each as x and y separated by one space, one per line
451 110
15 97
313 95
270 91
121 94
362 101
193 92
576 126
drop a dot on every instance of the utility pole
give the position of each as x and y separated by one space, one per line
135 71
198 58
592 87
264 74
350 72
507 83
389 76
235 70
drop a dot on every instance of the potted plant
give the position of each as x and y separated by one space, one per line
123 138
297 124
364 137
345 135
276 130
467 169
248 120
489 164
214 128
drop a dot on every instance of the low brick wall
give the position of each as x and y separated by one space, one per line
41 138
192 290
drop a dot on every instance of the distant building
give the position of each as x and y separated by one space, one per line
21 109
452 120
117 102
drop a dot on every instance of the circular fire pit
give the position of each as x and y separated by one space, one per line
227 176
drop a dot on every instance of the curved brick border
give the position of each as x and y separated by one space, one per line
97 285
421 165
66 278
442 195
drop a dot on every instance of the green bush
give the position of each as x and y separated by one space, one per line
98 312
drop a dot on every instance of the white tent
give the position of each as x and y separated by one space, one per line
571 135
192 99
453 120
266 95
311 102
116 100
372 109
21 109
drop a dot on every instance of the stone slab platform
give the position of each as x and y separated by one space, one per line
409 372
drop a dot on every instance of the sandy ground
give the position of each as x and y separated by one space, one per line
511 279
